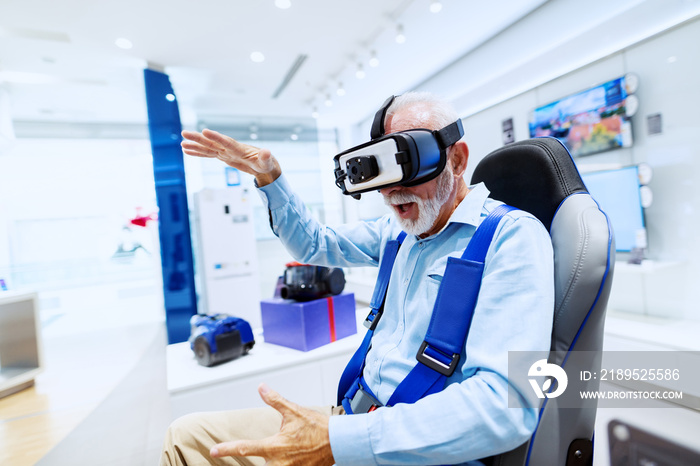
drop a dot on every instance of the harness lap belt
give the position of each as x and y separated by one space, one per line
439 355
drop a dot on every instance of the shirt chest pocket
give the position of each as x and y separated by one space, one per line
436 271
430 285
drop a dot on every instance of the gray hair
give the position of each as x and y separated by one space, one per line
442 112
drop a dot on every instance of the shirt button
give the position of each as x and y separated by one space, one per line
420 245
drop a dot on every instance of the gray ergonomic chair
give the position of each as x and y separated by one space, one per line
539 176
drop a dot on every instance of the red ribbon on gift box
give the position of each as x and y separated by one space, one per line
331 317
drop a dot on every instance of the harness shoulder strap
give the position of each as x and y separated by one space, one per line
447 332
440 351
349 379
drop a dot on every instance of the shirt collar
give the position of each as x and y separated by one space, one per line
469 210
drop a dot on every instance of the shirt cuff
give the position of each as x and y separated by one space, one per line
275 194
350 440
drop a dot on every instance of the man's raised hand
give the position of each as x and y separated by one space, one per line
249 159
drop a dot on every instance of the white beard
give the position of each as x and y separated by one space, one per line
428 210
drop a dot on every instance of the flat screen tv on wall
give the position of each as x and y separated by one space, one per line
591 121
617 193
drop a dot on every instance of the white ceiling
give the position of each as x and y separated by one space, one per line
59 62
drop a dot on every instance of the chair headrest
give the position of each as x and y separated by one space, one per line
534 175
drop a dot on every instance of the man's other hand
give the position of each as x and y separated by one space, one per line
302 440
249 159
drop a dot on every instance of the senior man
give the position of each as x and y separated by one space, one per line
468 420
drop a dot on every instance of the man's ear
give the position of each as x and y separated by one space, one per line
459 155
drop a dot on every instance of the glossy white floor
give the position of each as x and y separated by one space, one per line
102 397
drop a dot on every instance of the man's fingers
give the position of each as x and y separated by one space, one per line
239 149
194 136
189 134
198 153
225 141
275 400
247 158
201 139
195 146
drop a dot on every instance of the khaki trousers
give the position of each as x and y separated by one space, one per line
189 438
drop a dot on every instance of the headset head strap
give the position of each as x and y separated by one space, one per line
450 134
377 130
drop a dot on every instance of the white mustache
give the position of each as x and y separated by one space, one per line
401 198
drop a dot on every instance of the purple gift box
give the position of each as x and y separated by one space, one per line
308 325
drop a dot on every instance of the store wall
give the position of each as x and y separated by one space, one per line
567 46
65 204
667 66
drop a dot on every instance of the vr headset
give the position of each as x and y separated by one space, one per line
406 158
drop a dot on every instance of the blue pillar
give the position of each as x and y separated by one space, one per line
173 219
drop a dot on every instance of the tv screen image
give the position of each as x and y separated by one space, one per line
617 194
591 121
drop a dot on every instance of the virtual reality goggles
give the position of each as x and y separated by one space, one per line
406 158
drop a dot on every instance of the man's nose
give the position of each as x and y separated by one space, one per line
388 191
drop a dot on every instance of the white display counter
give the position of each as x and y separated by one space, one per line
307 378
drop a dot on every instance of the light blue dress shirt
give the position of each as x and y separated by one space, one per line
471 417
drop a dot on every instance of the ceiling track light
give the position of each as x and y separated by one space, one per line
257 57
123 43
373 60
435 6
314 112
341 90
360 73
328 102
400 36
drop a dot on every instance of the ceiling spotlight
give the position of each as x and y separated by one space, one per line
253 136
360 73
283 4
435 6
294 137
328 102
123 43
400 37
373 60
672 59
341 90
314 112
257 57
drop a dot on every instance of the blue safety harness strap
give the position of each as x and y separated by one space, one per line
449 325
439 354
377 303
349 381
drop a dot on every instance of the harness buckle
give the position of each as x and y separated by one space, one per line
435 364
372 319
363 402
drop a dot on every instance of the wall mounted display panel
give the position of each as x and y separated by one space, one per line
588 122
